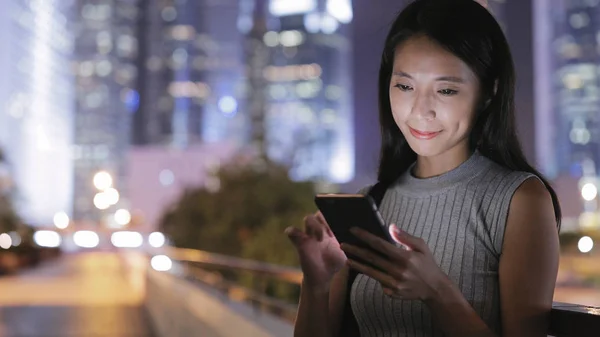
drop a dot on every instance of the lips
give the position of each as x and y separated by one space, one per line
424 134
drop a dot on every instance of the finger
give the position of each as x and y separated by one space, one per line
380 245
313 227
322 220
409 241
385 279
308 229
393 268
296 235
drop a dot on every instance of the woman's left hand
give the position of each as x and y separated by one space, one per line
410 273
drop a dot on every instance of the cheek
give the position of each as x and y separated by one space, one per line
459 115
400 106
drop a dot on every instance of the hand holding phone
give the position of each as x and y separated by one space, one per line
344 211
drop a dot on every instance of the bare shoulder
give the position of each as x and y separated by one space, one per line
529 261
532 203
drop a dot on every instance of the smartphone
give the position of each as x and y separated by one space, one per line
344 211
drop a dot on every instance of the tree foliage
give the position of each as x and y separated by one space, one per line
245 217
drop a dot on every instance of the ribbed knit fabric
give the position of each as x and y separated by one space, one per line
461 215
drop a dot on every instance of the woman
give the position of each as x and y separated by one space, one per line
479 222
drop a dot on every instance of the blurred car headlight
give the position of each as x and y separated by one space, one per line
49 239
126 239
86 239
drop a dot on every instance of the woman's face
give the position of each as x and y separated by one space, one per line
433 95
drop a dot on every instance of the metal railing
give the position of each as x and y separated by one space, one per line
567 320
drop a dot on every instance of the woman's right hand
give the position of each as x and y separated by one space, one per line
319 251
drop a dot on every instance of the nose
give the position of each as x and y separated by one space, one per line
422 107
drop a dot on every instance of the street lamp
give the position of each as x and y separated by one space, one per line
122 217
112 196
585 244
589 191
101 201
61 220
103 180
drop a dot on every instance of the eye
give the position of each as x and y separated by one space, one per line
448 92
403 87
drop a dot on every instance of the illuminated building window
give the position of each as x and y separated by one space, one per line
333 92
305 115
228 105
328 116
104 42
277 92
570 51
291 38
340 9
580 136
103 68
307 89
271 39
86 69
183 33
180 57
292 72
169 14
329 24
312 22
189 89
287 7
126 45
579 20
572 81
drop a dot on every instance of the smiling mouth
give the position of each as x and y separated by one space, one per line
423 134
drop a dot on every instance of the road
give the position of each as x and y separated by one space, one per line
82 295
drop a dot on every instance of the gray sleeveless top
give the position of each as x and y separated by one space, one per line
461 215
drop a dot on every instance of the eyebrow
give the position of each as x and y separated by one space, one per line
442 78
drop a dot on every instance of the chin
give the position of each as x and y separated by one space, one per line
428 152
427 148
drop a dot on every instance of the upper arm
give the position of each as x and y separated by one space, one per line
529 262
337 299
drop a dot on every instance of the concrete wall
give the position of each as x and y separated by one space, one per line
179 308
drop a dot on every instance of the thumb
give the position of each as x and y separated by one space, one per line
295 235
408 241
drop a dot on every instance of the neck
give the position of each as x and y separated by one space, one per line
427 167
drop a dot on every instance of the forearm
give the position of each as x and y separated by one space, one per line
456 316
313 313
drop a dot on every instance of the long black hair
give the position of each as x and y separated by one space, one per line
470 32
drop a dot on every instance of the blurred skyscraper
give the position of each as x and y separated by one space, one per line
567 37
309 119
104 64
208 73
36 98
190 73
568 41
